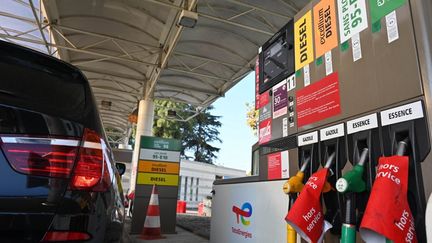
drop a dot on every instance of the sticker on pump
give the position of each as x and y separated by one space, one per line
265 131
402 113
324 14
280 99
308 138
332 132
303 41
362 123
352 18
257 95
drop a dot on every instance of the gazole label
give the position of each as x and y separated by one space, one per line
362 123
157 179
352 18
325 27
402 113
308 138
303 41
332 132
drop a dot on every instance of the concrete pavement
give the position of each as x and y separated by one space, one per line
182 236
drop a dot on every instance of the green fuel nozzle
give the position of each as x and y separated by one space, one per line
352 181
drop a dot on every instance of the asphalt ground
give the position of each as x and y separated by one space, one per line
190 229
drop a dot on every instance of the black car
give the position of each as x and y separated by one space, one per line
58 179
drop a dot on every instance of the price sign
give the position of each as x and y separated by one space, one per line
303 41
380 8
280 99
325 27
352 18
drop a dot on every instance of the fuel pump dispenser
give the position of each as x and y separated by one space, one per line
410 138
306 214
333 201
359 93
292 187
352 182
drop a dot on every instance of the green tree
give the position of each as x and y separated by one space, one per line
202 130
196 134
252 117
163 126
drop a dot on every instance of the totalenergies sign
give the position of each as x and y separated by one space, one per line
303 41
244 212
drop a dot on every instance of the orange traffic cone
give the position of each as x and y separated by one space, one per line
152 229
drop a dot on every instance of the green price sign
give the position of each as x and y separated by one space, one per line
380 8
160 143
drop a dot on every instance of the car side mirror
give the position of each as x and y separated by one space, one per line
121 168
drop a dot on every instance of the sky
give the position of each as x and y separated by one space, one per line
237 138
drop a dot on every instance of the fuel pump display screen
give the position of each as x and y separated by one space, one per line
275 59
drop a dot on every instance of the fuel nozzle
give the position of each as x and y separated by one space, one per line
295 183
402 146
330 160
352 181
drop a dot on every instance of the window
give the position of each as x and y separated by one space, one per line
179 188
255 162
191 189
196 193
185 188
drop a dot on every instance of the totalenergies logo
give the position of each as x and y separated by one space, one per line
244 212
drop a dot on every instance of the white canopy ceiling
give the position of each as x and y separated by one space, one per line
130 49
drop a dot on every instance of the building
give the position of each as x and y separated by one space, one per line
196 180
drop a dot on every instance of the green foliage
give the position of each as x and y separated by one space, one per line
252 117
202 130
195 134
164 127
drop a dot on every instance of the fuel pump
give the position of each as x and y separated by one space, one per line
333 150
292 187
414 132
352 182
388 213
306 215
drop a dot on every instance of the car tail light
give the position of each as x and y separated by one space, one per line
54 157
55 236
90 165
50 157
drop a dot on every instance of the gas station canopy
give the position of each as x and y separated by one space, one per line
135 49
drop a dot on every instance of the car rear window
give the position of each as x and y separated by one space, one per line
36 82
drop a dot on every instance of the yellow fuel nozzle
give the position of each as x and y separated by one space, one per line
295 183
